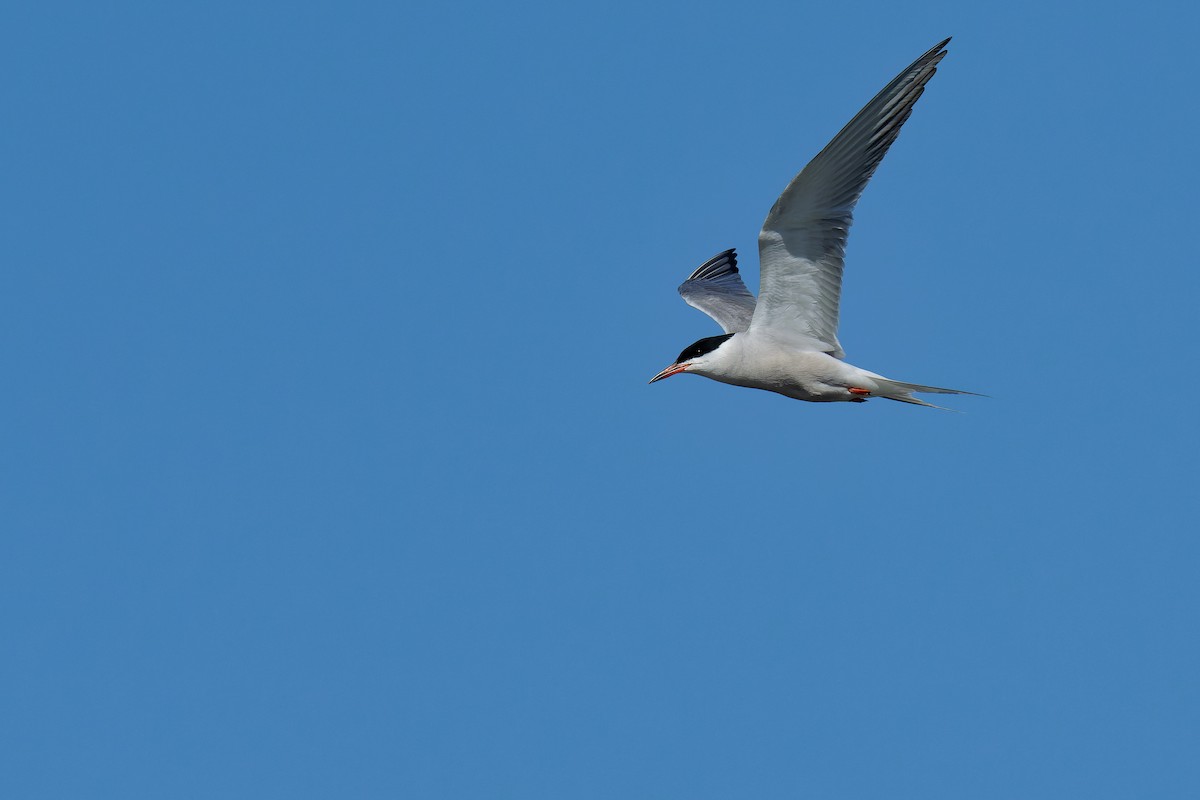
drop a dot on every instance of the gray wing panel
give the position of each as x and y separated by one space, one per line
802 245
716 288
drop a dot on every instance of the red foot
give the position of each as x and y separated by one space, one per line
856 390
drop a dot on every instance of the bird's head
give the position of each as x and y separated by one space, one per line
695 357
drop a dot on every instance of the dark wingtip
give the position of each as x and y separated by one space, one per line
935 53
722 263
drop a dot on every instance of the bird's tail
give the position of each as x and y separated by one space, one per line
903 392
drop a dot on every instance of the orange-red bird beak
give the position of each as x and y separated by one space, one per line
674 369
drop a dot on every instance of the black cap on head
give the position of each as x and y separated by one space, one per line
702 347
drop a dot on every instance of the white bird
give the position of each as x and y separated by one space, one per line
786 342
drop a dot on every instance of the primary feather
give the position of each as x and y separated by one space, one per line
717 289
802 244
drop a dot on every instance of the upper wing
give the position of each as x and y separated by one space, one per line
803 242
716 288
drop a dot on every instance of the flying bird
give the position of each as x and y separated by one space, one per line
786 340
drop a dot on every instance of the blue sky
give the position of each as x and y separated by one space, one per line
329 467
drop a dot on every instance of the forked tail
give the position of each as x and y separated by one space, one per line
903 392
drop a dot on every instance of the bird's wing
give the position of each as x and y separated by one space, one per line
716 288
803 242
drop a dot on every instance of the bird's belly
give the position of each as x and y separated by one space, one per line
815 378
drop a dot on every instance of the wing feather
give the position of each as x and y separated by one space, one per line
802 245
716 288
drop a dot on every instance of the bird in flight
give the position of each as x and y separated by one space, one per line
786 341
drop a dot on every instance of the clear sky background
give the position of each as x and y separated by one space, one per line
329 467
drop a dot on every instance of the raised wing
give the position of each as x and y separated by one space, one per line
716 288
802 245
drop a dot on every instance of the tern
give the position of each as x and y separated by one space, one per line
786 341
